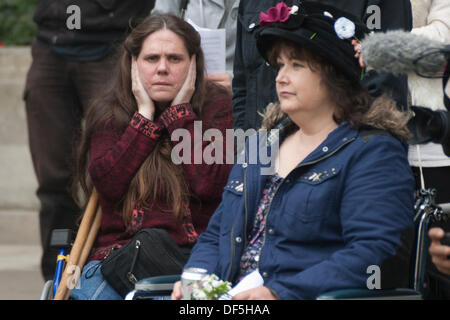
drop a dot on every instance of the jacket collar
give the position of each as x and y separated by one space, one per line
335 140
269 143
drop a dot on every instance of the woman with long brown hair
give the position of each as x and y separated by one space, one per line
126 151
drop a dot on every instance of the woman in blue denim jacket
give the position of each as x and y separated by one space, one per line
341 192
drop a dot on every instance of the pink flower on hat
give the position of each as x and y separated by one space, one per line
280 13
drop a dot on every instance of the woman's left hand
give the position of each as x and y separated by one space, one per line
258 293
177 293
187 89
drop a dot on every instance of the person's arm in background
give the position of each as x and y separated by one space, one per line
438 22
394 15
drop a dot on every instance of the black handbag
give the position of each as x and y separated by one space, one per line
151 252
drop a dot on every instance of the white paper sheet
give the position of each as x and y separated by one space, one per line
213 42
250 281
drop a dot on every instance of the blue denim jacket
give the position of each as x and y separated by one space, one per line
341 210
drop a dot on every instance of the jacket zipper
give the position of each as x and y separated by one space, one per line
245 218
302 165
268 211
265 217
131 277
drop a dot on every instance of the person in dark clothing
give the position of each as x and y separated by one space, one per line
73 52
253 83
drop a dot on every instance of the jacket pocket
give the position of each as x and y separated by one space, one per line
313 195
235 186
232 203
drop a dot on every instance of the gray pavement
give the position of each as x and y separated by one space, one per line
20 251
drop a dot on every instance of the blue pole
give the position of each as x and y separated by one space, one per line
60 262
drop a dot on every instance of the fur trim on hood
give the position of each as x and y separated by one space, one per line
382 114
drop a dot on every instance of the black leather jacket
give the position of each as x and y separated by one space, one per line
102 21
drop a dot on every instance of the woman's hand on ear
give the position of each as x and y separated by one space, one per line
146 106
187 89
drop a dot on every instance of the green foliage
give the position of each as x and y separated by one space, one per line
16 21
210 288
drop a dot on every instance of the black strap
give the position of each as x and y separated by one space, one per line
444 84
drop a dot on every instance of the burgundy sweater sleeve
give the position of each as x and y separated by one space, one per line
115 159
206 180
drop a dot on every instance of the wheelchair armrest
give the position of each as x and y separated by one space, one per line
155 287
157 283
47 291
366 294
445 207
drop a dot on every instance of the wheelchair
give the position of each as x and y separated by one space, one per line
160 287
68 267
426 212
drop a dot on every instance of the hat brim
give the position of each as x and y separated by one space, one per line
267 37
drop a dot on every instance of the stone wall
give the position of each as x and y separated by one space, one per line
17 179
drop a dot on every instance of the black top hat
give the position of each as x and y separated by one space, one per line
324 29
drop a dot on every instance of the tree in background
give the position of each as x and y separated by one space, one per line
16 22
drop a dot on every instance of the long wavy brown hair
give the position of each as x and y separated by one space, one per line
353 103
158 182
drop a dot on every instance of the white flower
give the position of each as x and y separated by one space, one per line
199 294
207 287
210 288
294 10
344 28
327 14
